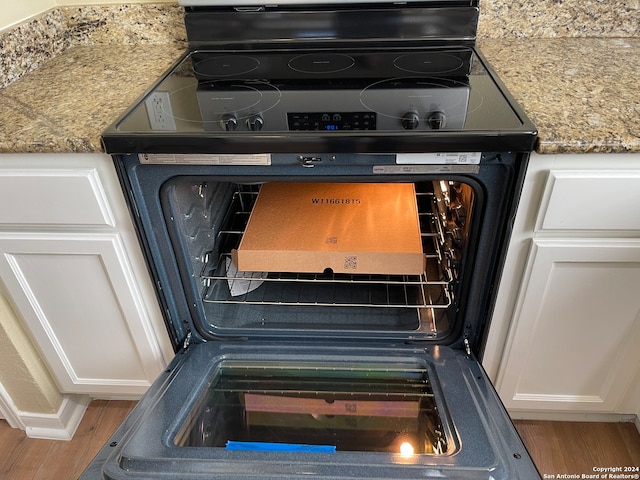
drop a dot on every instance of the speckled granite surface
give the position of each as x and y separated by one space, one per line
559 18
158 24
66 104
581 93
26 47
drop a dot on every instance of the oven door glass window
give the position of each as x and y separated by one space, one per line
318 407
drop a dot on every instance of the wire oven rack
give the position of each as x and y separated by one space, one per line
432 289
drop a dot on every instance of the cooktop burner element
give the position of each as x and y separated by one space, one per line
431 63
325 62
226 66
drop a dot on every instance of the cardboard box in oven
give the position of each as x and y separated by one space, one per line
357 228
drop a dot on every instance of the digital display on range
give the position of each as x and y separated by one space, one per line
332 121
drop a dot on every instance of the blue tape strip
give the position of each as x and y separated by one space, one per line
279 447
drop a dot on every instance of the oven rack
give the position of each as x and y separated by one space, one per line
283 288
224 285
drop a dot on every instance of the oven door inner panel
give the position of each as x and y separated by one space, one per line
243 409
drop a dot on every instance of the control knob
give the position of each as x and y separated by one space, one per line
436 120
255 123
410 121
228 122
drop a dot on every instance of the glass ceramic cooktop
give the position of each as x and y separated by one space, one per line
249 92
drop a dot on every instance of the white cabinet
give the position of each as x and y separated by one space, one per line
566 327
70 262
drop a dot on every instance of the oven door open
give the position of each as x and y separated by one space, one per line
325 376
243 409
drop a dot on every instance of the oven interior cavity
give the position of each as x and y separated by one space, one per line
318 407
206 219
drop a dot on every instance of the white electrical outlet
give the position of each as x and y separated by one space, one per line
160 112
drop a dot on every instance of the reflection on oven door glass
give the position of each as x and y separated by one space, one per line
354 407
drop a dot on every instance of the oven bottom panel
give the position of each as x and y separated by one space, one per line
262 410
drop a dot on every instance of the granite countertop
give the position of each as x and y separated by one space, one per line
581 93
578 91
64 105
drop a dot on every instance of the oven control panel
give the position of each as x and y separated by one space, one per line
396 108
332 121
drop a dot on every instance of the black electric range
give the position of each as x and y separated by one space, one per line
322 375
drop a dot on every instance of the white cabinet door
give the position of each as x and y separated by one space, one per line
575 336
82 305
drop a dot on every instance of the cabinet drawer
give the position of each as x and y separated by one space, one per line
53 198
591 200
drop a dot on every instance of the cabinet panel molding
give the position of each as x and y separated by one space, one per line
55 197
591 200
576 327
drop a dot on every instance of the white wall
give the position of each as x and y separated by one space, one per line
13 12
